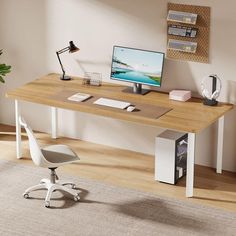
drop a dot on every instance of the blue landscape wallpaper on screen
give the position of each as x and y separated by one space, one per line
137 66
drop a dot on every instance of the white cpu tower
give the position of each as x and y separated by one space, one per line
170 156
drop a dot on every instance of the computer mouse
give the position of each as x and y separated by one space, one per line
130 108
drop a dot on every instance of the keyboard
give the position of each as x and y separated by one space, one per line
112 103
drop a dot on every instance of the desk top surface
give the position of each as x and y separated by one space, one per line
191 116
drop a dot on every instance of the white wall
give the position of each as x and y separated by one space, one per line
32 30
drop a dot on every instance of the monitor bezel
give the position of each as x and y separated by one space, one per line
137 82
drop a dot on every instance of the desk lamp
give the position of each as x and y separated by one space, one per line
71 48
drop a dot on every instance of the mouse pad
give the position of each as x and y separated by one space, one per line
141 109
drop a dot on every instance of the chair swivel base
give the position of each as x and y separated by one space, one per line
51 187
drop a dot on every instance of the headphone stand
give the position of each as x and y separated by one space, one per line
210 102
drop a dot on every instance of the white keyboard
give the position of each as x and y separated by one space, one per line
112 103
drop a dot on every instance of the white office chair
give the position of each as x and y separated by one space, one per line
50 157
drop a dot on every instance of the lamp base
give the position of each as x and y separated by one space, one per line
65 78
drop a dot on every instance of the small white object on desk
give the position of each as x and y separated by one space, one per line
130 108
79 97
180 95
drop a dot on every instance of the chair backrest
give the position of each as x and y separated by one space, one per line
35 150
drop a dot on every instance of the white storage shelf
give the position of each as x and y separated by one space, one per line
170 156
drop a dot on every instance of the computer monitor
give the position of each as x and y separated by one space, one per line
137 66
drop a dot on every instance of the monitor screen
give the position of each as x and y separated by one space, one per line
137 66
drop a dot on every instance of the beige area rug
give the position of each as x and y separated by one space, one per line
104 210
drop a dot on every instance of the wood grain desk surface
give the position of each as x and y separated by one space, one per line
191 116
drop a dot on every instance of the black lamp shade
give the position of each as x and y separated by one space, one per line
72 47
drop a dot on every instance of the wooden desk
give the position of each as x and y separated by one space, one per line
190 117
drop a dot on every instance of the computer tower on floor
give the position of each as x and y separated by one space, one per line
170 156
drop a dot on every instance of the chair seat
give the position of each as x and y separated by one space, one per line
59 154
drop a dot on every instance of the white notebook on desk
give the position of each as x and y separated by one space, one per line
79 97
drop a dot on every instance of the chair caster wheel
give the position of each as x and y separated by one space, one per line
47 204
26 195
73 186
76 198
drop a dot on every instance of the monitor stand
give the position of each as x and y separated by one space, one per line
136 89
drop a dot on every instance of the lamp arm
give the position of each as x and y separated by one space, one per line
63 50
59 59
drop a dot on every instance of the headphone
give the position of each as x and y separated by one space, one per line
205 92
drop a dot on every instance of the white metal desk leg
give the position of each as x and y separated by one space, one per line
220 145
54 122
18 130
190 164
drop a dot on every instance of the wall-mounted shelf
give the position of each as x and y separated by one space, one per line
182 17
180 29
183 46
